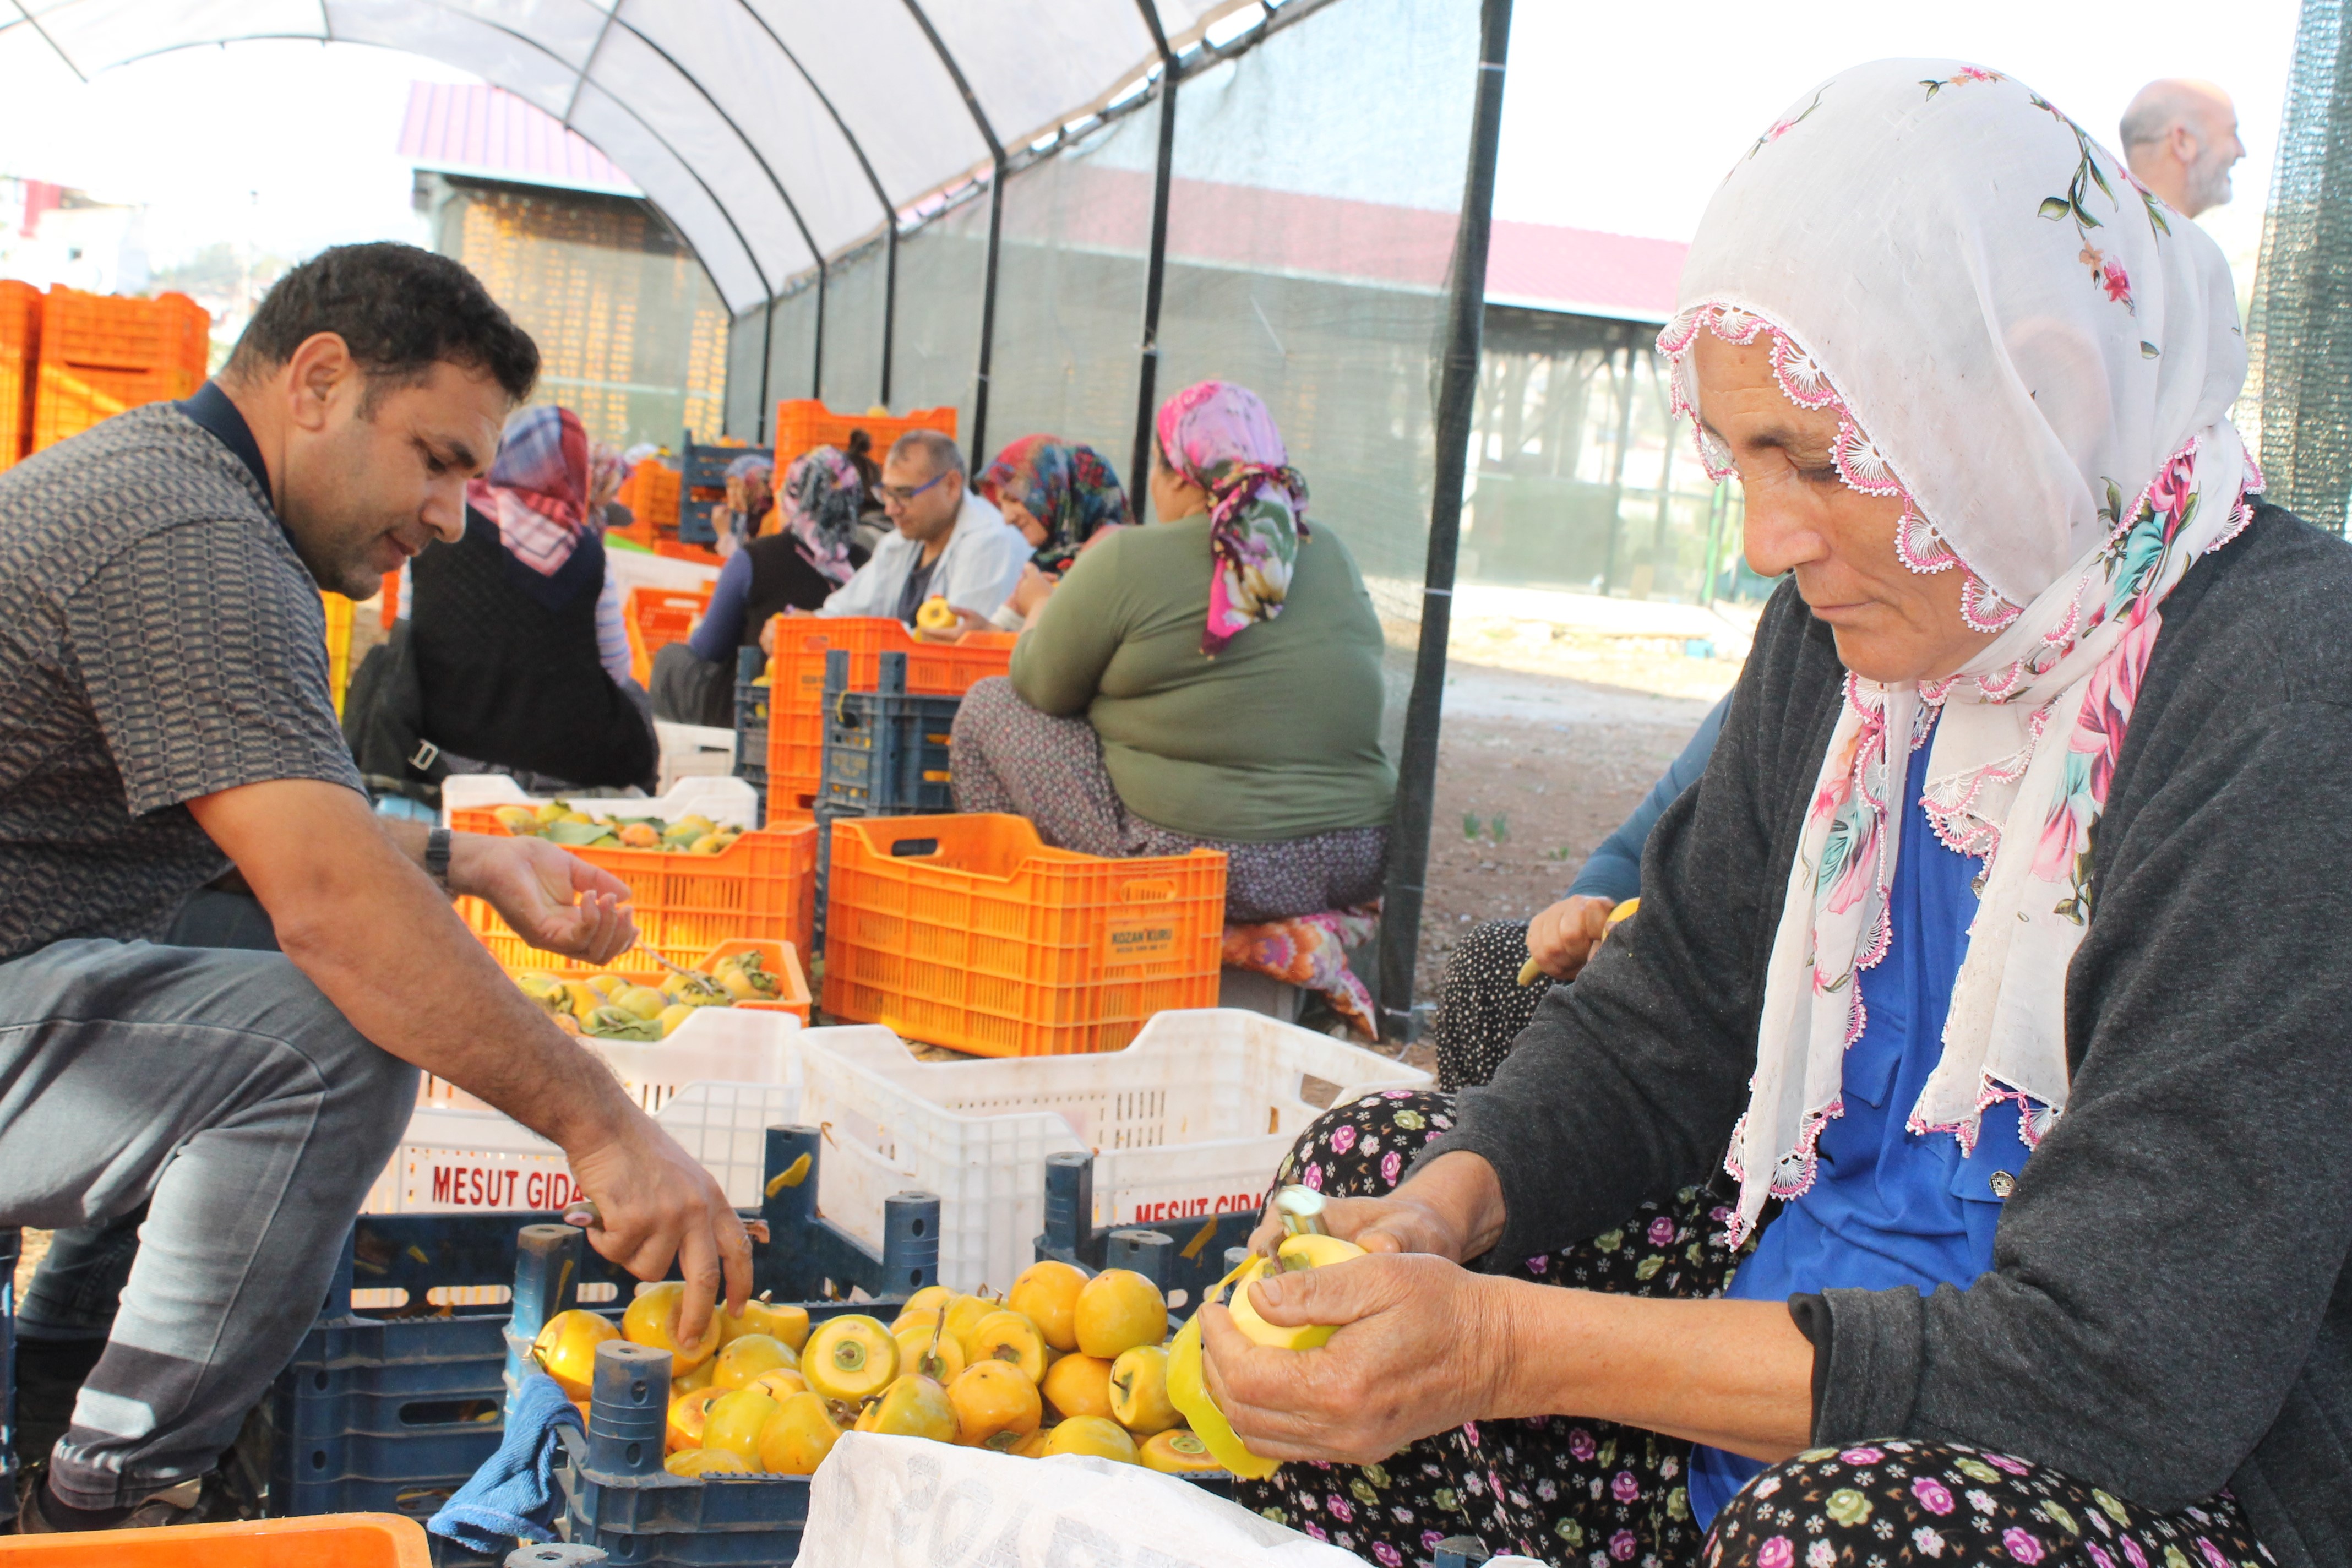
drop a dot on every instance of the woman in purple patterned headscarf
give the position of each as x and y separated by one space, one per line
808 549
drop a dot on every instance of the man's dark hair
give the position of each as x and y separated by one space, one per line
399 310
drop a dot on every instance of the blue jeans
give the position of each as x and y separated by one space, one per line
219 1089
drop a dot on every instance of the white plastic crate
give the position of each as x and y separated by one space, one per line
693 751
734 1045
455 1161
1189 1121
729 802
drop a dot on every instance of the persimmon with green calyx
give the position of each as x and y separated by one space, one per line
912 1406
851 1357
1138 1390
1117 1311
1176 1452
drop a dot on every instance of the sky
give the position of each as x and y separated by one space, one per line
1616 116
1624 117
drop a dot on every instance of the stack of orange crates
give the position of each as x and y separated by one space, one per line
796 697
804 423
651 493
969 932
101 354
20 353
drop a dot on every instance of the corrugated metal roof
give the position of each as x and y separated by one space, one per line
488 130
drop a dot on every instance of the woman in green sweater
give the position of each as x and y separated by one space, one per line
1212 681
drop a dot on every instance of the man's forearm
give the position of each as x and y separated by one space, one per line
375 935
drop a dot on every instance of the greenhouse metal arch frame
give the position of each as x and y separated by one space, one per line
778 136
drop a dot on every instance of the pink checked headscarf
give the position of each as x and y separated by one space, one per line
1221 437
537 491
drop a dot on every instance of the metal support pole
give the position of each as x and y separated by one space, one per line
1715 514
1456 396
1617 475
767 347
978 458
1147 381
816 356
889 300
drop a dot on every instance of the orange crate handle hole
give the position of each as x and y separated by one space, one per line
909 849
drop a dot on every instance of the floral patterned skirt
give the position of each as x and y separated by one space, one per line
1593 1494
1556 1488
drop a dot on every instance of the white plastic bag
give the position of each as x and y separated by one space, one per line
903 1502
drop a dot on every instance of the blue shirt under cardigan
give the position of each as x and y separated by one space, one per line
1888 1208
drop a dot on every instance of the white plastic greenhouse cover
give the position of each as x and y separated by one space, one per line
769 130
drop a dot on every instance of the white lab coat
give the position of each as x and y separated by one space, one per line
977 571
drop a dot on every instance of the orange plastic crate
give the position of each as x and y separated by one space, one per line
805 423
68 399
105 331
796 701
694 553
967 931
650 492
657 618
782 960
321 1540
761 888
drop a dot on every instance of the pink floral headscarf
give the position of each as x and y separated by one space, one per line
1221 437
2038 358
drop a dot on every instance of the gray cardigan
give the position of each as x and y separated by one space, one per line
2170 1309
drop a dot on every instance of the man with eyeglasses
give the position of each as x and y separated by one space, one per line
947 542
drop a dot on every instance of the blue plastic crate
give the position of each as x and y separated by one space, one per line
393 1413
886 753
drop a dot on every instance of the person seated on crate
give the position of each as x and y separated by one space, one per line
520 658
1062 498
1497 975
812 552
1212 681
167 722
750 501
2038 1186
947 542
605 472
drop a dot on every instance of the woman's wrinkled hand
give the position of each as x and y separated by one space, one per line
1034 589
1392 1224
1423 1346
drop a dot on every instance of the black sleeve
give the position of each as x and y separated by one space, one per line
1625 1086
2162 1275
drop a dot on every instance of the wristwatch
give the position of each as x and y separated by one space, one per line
437 857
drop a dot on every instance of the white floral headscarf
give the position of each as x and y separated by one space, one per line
2038 357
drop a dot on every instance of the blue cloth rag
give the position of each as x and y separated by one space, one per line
512 1497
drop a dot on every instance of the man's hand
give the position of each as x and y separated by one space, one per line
1422 1346
555 900
1561 939
355 914
653 1202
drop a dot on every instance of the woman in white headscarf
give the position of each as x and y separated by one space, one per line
1992 967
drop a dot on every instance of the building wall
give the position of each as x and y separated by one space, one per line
632 336
1582 479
